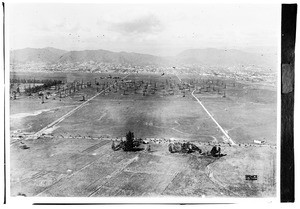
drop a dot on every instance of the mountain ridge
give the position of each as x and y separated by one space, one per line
205 56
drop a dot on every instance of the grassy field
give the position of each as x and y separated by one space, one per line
76 159
89 168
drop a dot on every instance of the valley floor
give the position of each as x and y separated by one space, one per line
74 158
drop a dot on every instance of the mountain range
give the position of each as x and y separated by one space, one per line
46 55
208 56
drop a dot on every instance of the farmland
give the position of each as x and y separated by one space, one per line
156 107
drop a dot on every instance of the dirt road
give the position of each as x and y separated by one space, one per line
223 131
59 120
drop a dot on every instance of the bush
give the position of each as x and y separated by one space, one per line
171 148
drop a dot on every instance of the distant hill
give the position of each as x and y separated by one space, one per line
46 55
209 56
110 57
56 51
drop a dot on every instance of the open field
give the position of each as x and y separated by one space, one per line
74 157
88 167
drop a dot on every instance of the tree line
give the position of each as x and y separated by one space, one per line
47 84
23 80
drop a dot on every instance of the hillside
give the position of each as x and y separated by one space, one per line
110 57
46 55
209 56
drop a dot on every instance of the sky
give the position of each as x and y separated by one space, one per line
158 29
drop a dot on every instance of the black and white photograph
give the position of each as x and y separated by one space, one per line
143 100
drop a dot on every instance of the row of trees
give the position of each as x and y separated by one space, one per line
47 84
29 80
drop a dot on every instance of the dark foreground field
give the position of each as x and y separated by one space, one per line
74 158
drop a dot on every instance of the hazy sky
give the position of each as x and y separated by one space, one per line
159 29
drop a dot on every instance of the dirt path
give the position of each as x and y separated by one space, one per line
177 76
210 175
59 120
223 131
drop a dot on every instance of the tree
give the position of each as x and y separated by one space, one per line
43 98
113 145
128 145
